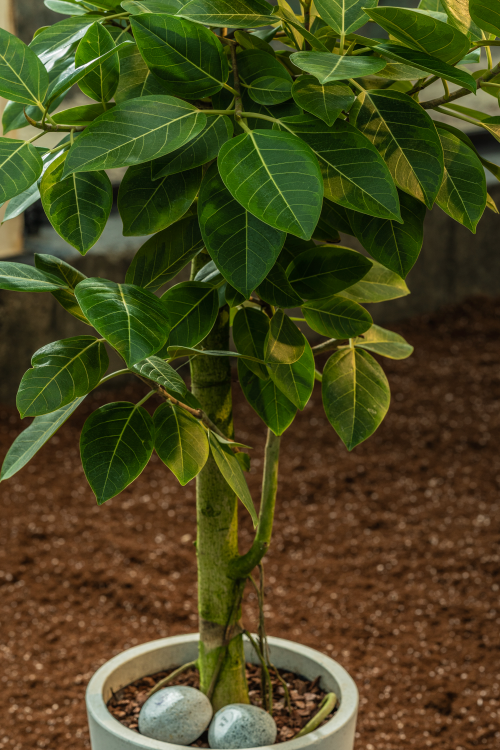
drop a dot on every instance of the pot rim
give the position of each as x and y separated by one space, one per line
100 713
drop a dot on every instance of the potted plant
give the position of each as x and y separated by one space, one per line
244 159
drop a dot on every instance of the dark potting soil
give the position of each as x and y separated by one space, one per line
305 698
386 558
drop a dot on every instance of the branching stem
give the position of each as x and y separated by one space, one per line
172 676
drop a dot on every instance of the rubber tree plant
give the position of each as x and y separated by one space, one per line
245 158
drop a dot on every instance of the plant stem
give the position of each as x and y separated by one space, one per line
326 346
172 676
114 375
325 707
446 89
489 58
265 670
433 103
236 80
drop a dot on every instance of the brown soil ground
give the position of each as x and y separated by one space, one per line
387 558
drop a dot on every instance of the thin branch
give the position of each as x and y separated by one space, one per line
421 86
172 676
433 103
326 346
237 100
265 671
52 128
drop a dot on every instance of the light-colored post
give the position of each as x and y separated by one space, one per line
11 233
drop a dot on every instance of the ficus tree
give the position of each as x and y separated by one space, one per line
245 158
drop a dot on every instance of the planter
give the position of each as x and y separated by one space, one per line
107 733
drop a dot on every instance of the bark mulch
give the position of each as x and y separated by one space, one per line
387 558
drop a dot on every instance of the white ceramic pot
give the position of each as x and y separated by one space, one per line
107 733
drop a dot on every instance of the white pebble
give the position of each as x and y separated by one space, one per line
176 714
240 725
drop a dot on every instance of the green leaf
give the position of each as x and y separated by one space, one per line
232 472
135 77
65 7
256 167
67 275
254 64
61 372
197 152
192 307
153 6
333 219
55 41
78 206
326 270
378 285
296 380
23 78
354 174
396 246
135 132
187 351
337 317
292 248
232 296
286 109
276 289
324 101
80 116
285 343
395 123
156 369
422 31
486 14
252 41
356 395
291 19
165 254
20 277
101 83
233 14
270 90
384 342
326 66
250 329
115 445
132 319
20 166
34 437
269 402
427 63
188 58
180 441
147 206
243 247
344 16
463 191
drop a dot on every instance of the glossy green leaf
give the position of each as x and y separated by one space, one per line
344 16
285 343
115 445
135 77
232 296
147 206
356 395
286 109
34 437
65 8
248 40
395 123
336 317
333 219
326 270
243 247
156 369
326 66
384 342
428 64
293 247
55 41
67 275
250 329
165 254
276 289
232 472
135 132
78 206
303 35
325 101
296 380
422 31
23 78
192 307
19 277
486 14
187 351
254 64
61 372
256 168
270 90
396 246
180 441
269 402
463 191
460 17
80 116
153 6
378 285
188 58
20 166
132 319
233 14
101 83
354 173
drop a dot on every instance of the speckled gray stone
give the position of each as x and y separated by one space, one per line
239 725
176 714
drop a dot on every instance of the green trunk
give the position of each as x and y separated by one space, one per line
217 534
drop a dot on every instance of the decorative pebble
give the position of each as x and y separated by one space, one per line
240 725
176 714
